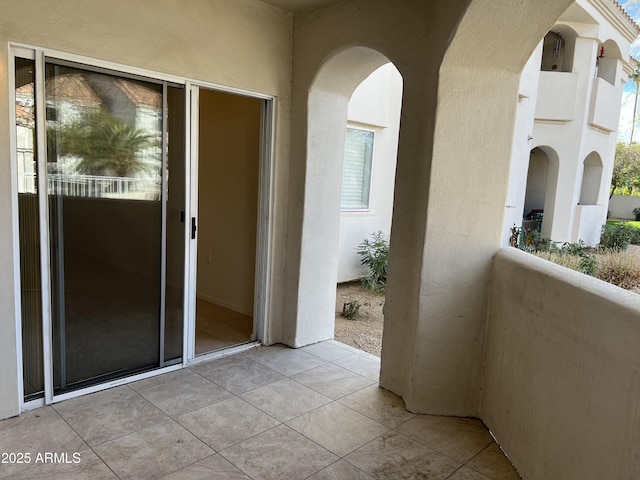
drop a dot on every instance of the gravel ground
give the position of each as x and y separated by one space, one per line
365 330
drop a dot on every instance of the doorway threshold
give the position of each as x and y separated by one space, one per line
206 357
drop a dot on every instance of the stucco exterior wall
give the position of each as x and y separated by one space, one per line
523 128
441 245
576 114
351 23
462 235
621 206
400 32
458 79
561 389
244 44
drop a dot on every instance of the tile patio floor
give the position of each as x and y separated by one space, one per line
269 413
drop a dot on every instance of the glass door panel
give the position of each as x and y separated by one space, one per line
105 179
113 215
29 229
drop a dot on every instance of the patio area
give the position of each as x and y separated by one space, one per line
268 413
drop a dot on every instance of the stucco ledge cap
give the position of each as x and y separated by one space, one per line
512 256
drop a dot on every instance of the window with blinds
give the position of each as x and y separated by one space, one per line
356 176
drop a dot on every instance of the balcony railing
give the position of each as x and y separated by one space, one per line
562 371
557 96
605 105
93 186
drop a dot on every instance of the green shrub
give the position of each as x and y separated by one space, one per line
588 264
573 248
374 255
351 309
530 240
571 255
618 236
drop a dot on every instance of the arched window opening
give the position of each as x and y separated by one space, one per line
558 48
607 62
591 178
540 195
536 190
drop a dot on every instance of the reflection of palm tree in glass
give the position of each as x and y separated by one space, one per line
105 145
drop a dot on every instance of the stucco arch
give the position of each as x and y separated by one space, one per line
451 178
467 170
612 49
591 179
364 34
563 62
608 63
328 100
544 164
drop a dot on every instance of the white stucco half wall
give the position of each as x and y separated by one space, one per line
561 389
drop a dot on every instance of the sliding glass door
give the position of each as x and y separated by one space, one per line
114 179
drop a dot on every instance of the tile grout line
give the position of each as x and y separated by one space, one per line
255 388
192 463
90 447
478 454
366 400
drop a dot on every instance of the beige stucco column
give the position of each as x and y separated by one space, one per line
414 38
435 322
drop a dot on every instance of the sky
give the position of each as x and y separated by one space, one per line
628 96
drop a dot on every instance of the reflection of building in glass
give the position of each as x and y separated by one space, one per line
25 128
72 100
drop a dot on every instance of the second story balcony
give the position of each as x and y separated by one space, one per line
557 96
602 112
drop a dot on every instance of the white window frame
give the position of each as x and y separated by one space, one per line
371 169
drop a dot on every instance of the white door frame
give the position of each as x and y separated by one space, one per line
264 239
264 230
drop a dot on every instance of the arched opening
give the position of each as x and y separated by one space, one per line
542 177
536 190
328 103
607 65
591 178
366 208
437 277
558 48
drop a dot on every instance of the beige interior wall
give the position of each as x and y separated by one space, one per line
228 168
244 44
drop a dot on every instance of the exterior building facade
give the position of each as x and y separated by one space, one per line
99 292
569 108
